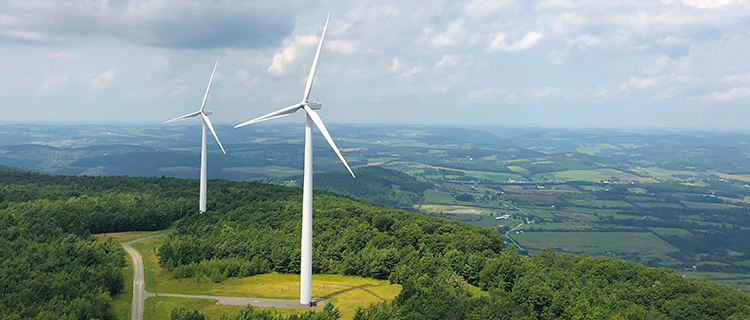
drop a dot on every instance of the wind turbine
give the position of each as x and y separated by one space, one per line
206 123
312 117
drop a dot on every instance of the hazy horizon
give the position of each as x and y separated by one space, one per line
550 63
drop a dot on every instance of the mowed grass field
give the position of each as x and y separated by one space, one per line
273 285
644 243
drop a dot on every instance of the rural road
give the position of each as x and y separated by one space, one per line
140 294
139 285
507 233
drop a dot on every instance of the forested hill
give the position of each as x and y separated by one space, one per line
52 268
379 185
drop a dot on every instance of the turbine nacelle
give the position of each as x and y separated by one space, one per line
208 112
314 105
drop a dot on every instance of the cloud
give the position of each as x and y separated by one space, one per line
511 95
159 23
288 55
178 92
732 94
708 4
528 41
52 81
736 78
447 61
342 47
160 61
104 80
396 65
63 56
477 9
642 83
452 36
412 71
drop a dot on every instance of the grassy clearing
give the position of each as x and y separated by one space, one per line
122 302
644 243
161 307
347 302
272 285
665 232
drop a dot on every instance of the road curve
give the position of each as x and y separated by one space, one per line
139 284
140 294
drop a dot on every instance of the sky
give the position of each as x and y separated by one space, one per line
559 63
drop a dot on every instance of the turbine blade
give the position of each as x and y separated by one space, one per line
319 123
210 127
189 115
308 86
205 96
273 115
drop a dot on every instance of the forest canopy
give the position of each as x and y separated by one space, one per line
51 268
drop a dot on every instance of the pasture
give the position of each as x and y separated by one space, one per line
597 243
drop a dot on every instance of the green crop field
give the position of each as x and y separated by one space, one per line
596 175
658 205
704 205
664 174
665 232
643 243
601 203
438 197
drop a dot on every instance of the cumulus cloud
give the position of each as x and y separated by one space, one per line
454 35
63 56
104 79
396 65
528 41
732 94
160 23
412 71
447 61
52 81
484 8
290 52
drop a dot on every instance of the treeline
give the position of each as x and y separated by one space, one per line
435 261
351 237
51 268
554 286
50 265
379 185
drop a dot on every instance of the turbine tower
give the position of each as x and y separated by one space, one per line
206 123
307 189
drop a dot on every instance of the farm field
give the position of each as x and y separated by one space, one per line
598 243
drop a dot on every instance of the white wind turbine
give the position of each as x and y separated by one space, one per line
206 123
312 117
